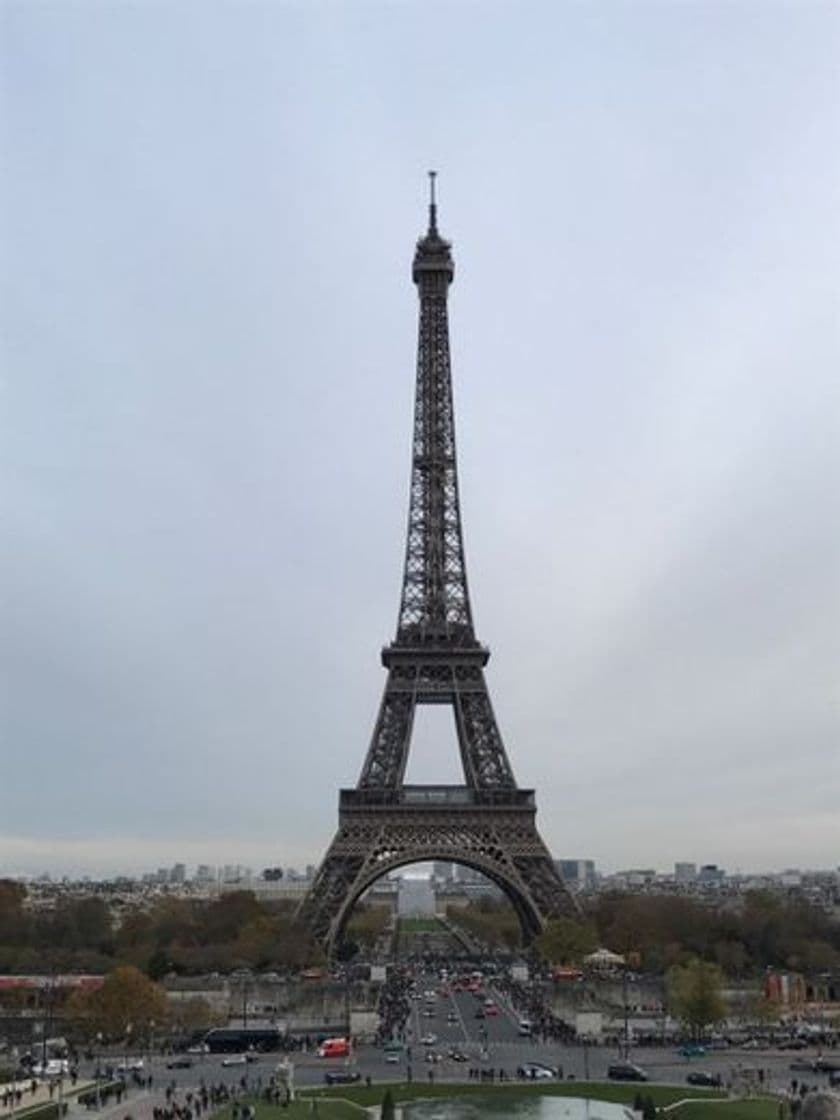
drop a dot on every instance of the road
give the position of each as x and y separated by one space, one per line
460 1021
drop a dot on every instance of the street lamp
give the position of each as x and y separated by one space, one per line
97 1056
151 1040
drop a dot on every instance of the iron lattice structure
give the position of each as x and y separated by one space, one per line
435 658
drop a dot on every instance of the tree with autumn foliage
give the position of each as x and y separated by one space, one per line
127 1002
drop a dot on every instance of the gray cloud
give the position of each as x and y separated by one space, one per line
209 356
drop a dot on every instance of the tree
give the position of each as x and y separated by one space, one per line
565 941
128 998
694 991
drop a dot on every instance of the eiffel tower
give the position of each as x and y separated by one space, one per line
488 823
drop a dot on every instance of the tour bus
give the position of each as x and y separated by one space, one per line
238 1040
334 1048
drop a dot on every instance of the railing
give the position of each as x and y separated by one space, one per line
429 797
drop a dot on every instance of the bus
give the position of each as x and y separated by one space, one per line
238 1040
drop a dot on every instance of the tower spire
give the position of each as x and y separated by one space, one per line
432 203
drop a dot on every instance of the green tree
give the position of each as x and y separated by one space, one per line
564 941
695 995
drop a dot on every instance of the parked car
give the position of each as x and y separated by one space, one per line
827 1065
703 1077
457 1055
692 1050
802 1065
626 1071
428 1039
235 1060
180 1061
834 1079
342 1076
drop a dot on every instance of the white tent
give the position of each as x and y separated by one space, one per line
603 958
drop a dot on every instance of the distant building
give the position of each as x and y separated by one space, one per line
711 875
178 874
635 877
685 872
416 898
205 873
579 874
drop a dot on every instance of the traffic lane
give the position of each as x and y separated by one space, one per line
506 1051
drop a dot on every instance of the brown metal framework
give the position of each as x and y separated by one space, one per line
435 658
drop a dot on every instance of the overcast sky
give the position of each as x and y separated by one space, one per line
208 217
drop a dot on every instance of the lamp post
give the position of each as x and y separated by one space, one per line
626 1013
98 1057
151 1040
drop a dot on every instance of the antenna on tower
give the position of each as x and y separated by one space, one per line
432 203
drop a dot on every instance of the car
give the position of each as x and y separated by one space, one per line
180 1061
199 1048
55 1067
703 1077
235 1060
626 1071
427 1014
793 1044
834 1079
452 1017
130 1065
803 1065
479 1013
433 1057
457 1055
827 1065
692 1050
342 1076
428 1039
392 1057
492 1011
536 1071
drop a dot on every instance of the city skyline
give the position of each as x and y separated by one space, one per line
210 346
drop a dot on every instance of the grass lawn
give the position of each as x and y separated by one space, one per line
347 1102
419 925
